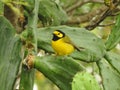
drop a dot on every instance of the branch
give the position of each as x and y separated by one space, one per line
89 16
98 20
80 3
94 17
94 23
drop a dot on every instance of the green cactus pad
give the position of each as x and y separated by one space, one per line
84 81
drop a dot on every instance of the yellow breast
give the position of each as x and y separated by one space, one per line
62 48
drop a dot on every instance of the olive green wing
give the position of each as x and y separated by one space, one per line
67 40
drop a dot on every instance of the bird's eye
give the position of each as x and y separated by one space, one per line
58 33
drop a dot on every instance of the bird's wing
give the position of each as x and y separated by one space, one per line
67 40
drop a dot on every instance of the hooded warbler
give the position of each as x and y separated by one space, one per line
62 44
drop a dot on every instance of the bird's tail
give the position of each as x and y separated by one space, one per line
79 48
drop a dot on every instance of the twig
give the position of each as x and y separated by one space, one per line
97 21
80 3
107 13
87 17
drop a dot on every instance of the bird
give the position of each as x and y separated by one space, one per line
62 44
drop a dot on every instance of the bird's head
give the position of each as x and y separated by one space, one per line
57 34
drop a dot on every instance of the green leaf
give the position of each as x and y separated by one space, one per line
51 12
93 46
114 37
10 47
108 2
60 70
1 8
29 8
114 60
27 79
27 76
84 81
111 79
35 21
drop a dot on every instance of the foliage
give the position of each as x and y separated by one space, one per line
56 69
1 7
108 73
10 57
84 81
114 38
37 20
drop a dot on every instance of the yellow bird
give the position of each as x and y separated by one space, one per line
62 44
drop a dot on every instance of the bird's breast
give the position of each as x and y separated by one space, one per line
62 48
